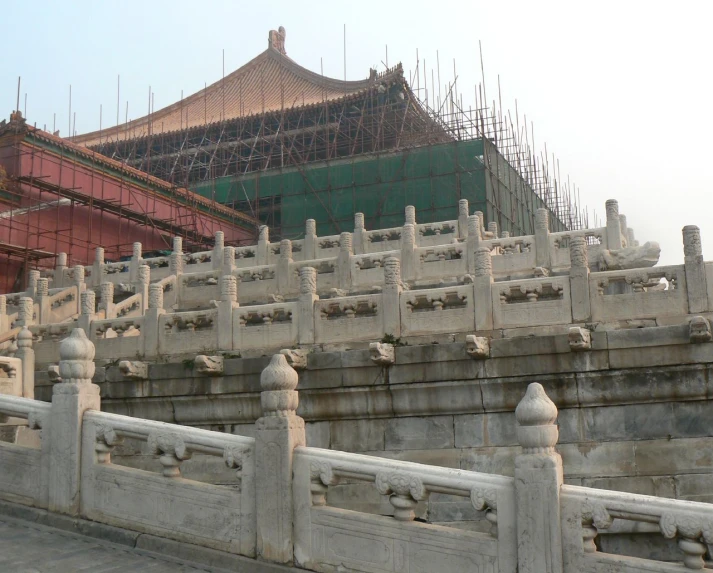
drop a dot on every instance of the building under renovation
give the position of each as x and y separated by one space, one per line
281 143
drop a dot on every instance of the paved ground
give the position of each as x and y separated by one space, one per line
27 547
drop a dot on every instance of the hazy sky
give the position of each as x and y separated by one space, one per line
620 91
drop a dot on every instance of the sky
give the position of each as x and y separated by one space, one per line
619 91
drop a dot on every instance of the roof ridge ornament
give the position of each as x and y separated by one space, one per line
276 40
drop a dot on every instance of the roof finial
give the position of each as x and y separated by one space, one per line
276 40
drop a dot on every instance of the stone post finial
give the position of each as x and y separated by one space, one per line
692 243
106 294
474 226
578 252
505 235
88 298
493 228
310 227
345 243
278 382
228 288
410 215
136 253
43 287
285 249
62 259
542 219
463 207
144 274
392 271
612 209
76 358
624 227
32 278
483 262
264 234
408 234
219 239
536 415
176 263
308 280
177 245
358 221
99 255
78 274
26 310
229 257
156 296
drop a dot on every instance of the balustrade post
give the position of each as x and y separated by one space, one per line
613 225
98 268
228 302
308 296
579 279
483 289
263 246
493 230
26 312
409 268
150 331
218 249
310 243
283 267
472 242
4 320
143 279
278 432
79 285
59 270
538 480
88 311
43 302
543 257
32 278
344 264
106 299
463 218
695 270
136 262
390 297
73 396
228 261
360 242
25 353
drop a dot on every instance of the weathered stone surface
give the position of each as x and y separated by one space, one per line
357 435
419 433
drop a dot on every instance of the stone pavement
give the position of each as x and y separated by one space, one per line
32 548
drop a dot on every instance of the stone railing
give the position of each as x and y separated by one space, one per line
278 506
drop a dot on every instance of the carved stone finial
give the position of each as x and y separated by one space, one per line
286 249
474 226
43 287
579 338
89 300
310 227
229 288
612 208
144 276
358 221
505 235
536 415
219 241
76 353
477 347
106 293
156 296
78 274
392 271
381 353
308 280
699 330
99 255
410 215
32 278
483 263
493 228
264 233
345 243
136 251
542 220
176 263
578 252
463 207
229 257
26 309
278 382
62 260
177 245
408 235
691 243
276 40
296 358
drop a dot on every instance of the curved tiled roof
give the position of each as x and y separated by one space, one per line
269 82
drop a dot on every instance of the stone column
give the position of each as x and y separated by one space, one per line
151 327
70 399
143 278
98 267
493 229
390 297
59 270
283 267
308 296
310 242
263 246
472 242
538 479
79 285
278 432
43 301
106 299
624 231
462 218
178 245
32 278
344 261
410 215
409 266
27 355
360 242
542 239
135 262
87 312
579 279
25 312
228 261
613 225
695 269
228 302
219 245
480 216
482 289
176 268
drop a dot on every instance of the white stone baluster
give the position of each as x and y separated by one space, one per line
25 353
310 243
307 298
542 239
579 279
463 218
695 269
613 225
360 240
390 295
263 246
483 287
59 271
344 266
218 249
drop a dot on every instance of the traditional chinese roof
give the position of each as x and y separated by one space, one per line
269 82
